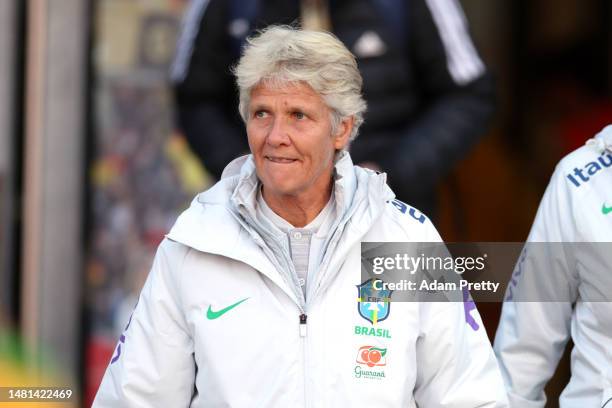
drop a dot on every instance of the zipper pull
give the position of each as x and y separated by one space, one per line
303 327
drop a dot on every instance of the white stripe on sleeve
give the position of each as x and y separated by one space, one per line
463 61
189 32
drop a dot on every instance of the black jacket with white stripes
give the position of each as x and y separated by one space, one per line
428 92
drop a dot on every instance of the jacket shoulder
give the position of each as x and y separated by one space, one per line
208 224
578 158
584 168
404 222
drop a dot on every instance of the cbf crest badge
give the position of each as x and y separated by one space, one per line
373 305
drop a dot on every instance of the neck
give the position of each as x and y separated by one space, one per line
298 210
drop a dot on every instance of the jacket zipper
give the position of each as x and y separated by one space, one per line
303 327
303 337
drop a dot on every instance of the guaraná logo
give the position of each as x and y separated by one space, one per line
372 356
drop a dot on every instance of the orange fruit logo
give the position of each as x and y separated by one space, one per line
372 356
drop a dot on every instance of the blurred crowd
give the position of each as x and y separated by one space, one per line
142 173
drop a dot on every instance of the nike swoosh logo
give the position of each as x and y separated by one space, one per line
212 315
606 210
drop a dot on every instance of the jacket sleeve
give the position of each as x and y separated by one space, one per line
153 362
532 335
205 95
456 92
456 364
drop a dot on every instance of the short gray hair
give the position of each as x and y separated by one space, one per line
284 54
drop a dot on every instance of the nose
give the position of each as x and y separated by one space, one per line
279 133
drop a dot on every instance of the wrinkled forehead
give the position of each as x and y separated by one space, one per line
290 93
280 85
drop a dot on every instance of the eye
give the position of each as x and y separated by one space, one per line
299 115
260 114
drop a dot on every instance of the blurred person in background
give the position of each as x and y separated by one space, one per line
251 298
429 93
576 208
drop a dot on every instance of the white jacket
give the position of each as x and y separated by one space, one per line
219 325
532 335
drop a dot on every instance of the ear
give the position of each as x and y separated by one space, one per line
343 133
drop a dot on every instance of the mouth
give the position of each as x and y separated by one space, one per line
280 160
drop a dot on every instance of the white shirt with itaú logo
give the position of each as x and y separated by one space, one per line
576 208
218 324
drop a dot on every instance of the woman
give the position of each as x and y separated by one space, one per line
562 287
251 300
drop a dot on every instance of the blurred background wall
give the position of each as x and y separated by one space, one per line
8 34
93 172
42 116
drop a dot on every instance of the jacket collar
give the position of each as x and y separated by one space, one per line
212 223
244 196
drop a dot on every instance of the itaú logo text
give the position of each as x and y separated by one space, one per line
584 174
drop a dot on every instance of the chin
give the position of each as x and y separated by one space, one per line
280 186
286 190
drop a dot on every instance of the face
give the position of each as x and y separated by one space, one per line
290 135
